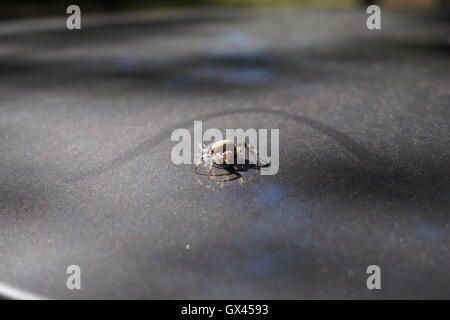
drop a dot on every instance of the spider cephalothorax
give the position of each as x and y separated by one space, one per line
224 153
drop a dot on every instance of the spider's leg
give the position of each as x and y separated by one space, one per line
236 171
226 159
210 169
240 153
255 153
198 163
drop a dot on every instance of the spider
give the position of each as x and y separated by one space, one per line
224 153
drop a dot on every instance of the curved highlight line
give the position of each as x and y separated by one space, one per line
341 139
14 293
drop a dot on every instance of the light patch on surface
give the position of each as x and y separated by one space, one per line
10 292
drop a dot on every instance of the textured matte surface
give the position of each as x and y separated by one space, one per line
364 178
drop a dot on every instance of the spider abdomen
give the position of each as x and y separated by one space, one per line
225 147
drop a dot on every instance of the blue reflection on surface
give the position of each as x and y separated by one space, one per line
234 74
269 194
430 231
127 62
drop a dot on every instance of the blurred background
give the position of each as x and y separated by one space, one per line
12 8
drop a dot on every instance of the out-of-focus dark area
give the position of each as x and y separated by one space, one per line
14 9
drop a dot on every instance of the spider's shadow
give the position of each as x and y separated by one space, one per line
244 167
234 170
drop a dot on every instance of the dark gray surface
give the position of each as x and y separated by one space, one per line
85 167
